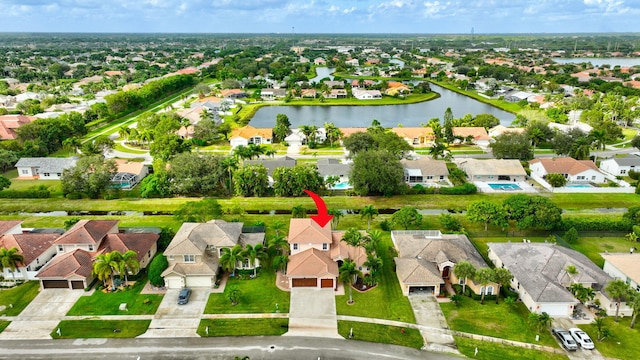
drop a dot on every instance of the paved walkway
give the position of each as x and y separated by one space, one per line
173 320
428 314
313 313
40 318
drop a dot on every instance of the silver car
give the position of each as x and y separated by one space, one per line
566 340
582 338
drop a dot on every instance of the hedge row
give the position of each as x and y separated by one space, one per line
596 224
25 194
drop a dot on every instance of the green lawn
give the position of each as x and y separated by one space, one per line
623 343
101 303
385 301
86 329
494 320
19 296
492 351
243 327
381 334
593 246
3 325
259 296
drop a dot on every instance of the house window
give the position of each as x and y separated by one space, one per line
489 290
90 247
593 177
60 248
325 246
623 171
429 177
59 174
47 174
580 177
189 258
170 257
441 177
25 172
461 281
295 246
149 253
246 263
37 261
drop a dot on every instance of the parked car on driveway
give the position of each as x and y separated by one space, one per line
566 340
582 338
183 296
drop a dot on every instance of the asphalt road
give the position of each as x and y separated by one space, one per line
285 348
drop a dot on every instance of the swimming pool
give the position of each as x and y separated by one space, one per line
579 186
341 186
505 187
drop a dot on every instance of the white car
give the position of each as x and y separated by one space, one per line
582 338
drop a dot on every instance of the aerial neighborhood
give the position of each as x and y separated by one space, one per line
467 196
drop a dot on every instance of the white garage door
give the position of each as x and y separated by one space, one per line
555 309
199 281
173 282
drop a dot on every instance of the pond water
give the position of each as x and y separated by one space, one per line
321 73
409 115
623 62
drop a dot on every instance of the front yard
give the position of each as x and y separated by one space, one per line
492 351
496 320
381 334
243 327
17 298
623 342
257 296
86 329
101 303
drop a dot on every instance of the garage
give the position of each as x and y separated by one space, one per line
558 309
77 284
55 284
326 283
173 282
312 282
422 290
199 281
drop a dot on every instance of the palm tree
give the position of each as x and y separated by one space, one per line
368 212
254 252
599 138
72 144
617 289
581 292
483 277
464 270
634 303
10 259
124 131
581 149
298 212
373 240
352 237
501 276
277 226
280 263
106 265
230 164
255 150
230 258
374 263
337 214
129 263
242 152
348 274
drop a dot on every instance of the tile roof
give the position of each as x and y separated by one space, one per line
29 245
626 263
492 167
340 250
9 124
414 132
478 133
132 167
350 131
311 263
141 243
6 225
565 165
77 263
87 232
247 132
207 267
193 238
308 231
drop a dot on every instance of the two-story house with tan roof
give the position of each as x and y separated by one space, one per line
77 248
317 253
194 252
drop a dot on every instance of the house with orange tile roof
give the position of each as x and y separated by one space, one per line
10 123
397 88
77 248
575 171
34 247
249 135
233 93
416 136
477 133
317 253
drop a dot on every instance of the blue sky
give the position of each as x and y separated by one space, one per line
321 16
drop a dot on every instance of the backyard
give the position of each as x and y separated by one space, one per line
257 296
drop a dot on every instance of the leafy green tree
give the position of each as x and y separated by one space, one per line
128 264
165 147
348 274
581 292
483 276
487 212
634 303
486 121
233 295
563 142
197 174
449 222
512 145
501 276
11 259
406 217
352 237
198 211
156 185
358 142
230 258
618 290
282 128
293 181
251 180
635 142
376 173
540 321
298 212
206 130
332 132
391 142
571 235
368 212
106 265
91 175
532 211
4 183
8 159
556 180
464 270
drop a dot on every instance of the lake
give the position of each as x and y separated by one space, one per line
623 62
409 115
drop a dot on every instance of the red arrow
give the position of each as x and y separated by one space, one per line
323 216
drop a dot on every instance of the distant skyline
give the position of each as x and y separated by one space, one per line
321 16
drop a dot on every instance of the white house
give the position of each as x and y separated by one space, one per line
623 266
575 171
44 168
621 166
366 94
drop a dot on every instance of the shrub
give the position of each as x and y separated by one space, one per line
385 225
596 224
464 189
571 236
449 222
74 196
157 266
635 175
36 193
166 235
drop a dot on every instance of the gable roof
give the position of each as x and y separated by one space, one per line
77 263
414 132
492 167
29 245
87 232
436 248
548 262
141 243
426 166
565 165
130 167
6 225
9 124
193 238
629 160
417 271
333 167
308 231
247 132
48 165
272 164
340 250
311 263
478 133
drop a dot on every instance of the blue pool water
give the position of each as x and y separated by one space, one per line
579 186
505 186
341 186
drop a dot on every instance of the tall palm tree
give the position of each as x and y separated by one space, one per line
277 226
254 252
129 263
230 164
298 212
581 149
374 263
124 131
368 212
10 259
483 277
337 214
72 144
581 292
348 275
618 289
280 263
502 277
106 265
373 240
230 258
464 270
634 303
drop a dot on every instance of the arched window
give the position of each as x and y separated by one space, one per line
489 290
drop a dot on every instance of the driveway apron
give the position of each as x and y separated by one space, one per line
173 320
313 313
428 313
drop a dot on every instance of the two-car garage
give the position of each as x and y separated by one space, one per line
63 284
313 282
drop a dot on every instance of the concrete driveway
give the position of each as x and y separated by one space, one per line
42 315
566 323
313 313
173 320
428 313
